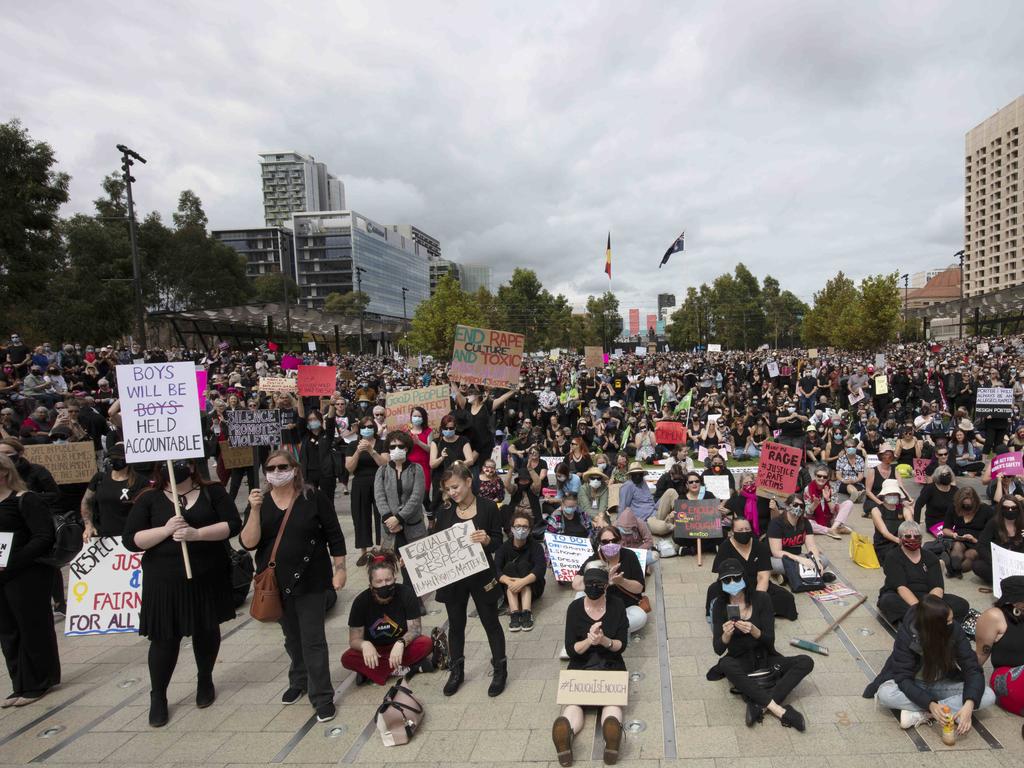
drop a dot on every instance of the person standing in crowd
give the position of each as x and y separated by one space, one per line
174 606
520 565
27 634
301 524
625 576
1000 639
444 452
109 497
465 506
316 452
910 573
479 409
365 458
421 434
398 494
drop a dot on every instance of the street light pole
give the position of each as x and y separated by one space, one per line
140 311
359 287
405 315
960 254
906 296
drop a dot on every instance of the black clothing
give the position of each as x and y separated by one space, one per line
783 601
1009 649
614 625
518 563
365 517
384 624
737 506
936 503
316 452
112 501
40 481
305 641
793 535
920 578
983 562
891 519
975 527
481 429
629 563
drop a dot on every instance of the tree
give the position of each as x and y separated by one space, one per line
688 325
270 288
190 212
879 310
825 321
603 319
863 317
531 310
351 304
494 315
433 324
783 313
31 193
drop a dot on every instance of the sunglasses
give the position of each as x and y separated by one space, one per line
393 447
821 477
731 579
1009 507
278 468
693 482
608 541
911 538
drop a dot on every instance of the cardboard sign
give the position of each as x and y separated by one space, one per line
67 462
253 428
599 688
881 385
773 370
277 385
443 558
718 485
1011 463
812 353
1004 563
698 519
290 362
483 356
567 554
235 458
160 412
993 401
714 347
777 470
317 380
669 433
982 348
593 357
436 401
104 589
920 465
6 542
346 375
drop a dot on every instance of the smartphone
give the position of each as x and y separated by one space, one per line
732 612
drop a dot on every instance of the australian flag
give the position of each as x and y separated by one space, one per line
674 248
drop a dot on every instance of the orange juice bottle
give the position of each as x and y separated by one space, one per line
948 727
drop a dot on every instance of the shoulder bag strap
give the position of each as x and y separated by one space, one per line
272 563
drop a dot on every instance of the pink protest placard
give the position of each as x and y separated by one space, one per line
201 377
1008 464
920 465
290 362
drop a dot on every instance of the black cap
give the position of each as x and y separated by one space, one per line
1012 588
730 567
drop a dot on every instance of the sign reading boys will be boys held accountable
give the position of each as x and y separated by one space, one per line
486 357
160 411
104 589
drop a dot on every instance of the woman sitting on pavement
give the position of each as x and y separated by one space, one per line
670 486
625 576
962 530
520 565
931 666
568 519
1004 530
936 499
596 634
1000 637
910 574
826 515
385 633
593 495
744 636
787 535
635 533
756 559
895 508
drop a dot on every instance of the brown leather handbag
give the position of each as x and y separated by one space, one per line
266 594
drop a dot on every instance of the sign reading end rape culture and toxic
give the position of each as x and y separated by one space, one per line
486 357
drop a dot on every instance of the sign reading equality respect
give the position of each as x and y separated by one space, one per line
104 589
67 462
250 429
436 401
486 357
698 519
160 411
777 470
442 558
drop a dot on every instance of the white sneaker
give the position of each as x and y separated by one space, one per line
911 719
563 655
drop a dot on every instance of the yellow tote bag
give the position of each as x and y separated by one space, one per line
862 551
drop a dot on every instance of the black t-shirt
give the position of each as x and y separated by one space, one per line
808 383
384 624
920 577
630 566
760 559
113 501
793 536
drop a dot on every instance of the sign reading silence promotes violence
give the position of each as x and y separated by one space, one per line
436 401
777 470
250 429
486 357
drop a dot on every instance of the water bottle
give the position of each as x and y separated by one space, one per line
948 727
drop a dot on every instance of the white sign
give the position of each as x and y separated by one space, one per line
1004 563
879 360
718 485
872 461
160 411
443 558
6 542
104 589
982 347
773 370
312 346
714 347
641 351
993 401
567 554
856 397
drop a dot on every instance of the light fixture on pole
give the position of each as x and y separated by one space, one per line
906 295
362 311
960 254
128 157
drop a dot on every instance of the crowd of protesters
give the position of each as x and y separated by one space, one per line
567 449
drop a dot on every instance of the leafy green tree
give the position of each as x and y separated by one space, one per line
823 323
433 324
351 304
494 315
270 288
190 212
845 315
879 310
530 309
688 324
783 313
603 319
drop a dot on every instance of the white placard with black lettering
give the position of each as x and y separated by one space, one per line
6 541
993 401
1004 563
160 411
443 558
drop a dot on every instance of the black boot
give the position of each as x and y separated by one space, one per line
158 715
457 674
206 694
500 677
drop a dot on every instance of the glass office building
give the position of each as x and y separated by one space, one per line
266 249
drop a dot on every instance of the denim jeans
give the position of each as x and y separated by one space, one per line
948 692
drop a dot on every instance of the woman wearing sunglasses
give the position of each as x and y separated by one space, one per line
826 514
625 576
310 561
1004 530
398 490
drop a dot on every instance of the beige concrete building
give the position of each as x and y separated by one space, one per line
993 234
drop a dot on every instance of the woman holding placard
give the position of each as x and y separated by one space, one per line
465 507
174 606
26 620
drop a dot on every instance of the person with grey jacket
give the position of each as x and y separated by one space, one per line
398 491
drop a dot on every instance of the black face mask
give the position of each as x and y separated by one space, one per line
182 471
118 463
594 591
386 592
637 479
1010 514
743 537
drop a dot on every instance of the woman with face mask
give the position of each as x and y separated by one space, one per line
421 434
316 452
644 444
932 666
596 633
635 533
625 576
365 457
310 561
827 515
789 533
593 495
748 505
1000 639
1005 530
962 530
445 450
174 606
385 629
635 495
569 519
109 497
743 634
398 490
876 476
521 565
756 559
895 508
936 499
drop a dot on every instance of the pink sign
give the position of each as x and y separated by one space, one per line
201 377
290 362
606 358
920 465
1008 464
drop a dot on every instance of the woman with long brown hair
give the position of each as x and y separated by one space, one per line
1004 530
310 541
174 606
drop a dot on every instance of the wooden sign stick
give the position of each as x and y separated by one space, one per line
177 511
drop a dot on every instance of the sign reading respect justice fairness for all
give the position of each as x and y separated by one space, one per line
486 357
160 411
104 589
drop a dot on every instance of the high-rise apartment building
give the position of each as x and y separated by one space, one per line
295 183
266 249
993 252
441 268
634 322
430 244
475 277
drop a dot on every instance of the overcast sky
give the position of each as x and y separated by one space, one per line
801 138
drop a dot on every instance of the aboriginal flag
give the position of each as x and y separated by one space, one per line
608 257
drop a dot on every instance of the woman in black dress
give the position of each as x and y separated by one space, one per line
109 497
447 449
365 457
481 586
174 606
27 635
316 452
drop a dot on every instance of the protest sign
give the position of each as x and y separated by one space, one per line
920 465
643 556
641 351
993 401
605 358
714 347
669 433
872 461
202 376
1004 563
982 347
1011 463
235 458
253 428
598 688
346 375
312 346
567 554
317 380
593 357
812 353
290 362
879 360
104 589
777 470
487 357
552 462
553 355
443 558
6 542
67 462
652 348
698 519
436 401
881 385
613 494
276 385
718 485
160 412
857 396
773 370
